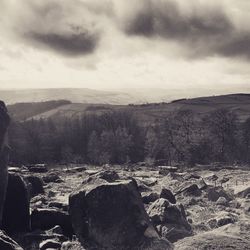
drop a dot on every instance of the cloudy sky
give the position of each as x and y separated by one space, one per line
107 44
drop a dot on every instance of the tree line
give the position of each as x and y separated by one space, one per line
117 137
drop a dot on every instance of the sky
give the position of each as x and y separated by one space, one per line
114 44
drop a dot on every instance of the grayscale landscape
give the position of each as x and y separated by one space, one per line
124 125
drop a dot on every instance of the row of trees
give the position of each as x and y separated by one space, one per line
118 137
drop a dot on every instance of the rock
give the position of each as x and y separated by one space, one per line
168 195
108 175
149 197
49 244
222 221
6 243
189 189
212 223
174 234
172 218
222 201
16 214
244 193
211 241
112 215
4 155
46 219
36 185
52 177
202 185
214 193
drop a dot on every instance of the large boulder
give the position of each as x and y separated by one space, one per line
16 214
6 243
47 218
170 219
4 153
112 216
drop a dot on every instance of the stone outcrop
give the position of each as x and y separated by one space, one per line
112 216
170 219
4 123
16 214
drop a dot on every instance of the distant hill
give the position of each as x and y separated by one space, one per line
114 97
147 113
23 111
73 95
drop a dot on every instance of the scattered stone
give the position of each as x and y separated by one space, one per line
46 219
168 195
16 214
49 244
122 221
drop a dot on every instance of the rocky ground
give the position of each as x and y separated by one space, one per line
189 208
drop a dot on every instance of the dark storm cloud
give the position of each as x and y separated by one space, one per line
67 28
164 19
202 30
237 46
66 44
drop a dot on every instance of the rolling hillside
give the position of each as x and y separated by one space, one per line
147 113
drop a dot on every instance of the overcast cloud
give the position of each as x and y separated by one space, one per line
116 43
